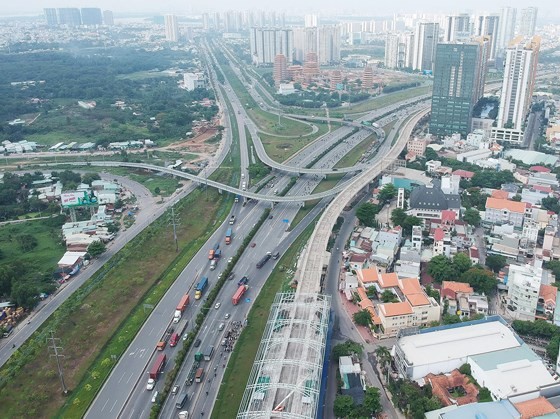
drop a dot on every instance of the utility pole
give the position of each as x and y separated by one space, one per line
174 222
57 355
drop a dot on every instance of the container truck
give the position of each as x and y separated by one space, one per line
199 374
229 233
202 284
239 293
213 251
208 353
217 254
262 262
232 220
180 308
158 367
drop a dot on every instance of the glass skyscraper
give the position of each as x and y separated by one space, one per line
458 84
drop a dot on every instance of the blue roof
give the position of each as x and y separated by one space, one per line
503 409
490 360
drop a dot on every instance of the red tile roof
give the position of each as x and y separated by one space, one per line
534 407
540 188
540 169
501 204
473 252
499 194
465 174
439 234
548 293
451 288
395 309
448 215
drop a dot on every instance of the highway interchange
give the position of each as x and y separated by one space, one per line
124 394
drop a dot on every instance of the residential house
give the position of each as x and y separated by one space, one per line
546 304
442 243
535 194
353 380
432 166
463 174
428 202
504 211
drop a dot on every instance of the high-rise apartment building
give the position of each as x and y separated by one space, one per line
171 28
205 21
280 72
108 18
457 28
69 16
91 16
367 78
527 21
216 19
399 50
51 16
305 41
425 41
311 21
524 283
488 25
506 30
328 44
267 43
458 85
517 88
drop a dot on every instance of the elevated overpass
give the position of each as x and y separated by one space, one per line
209 182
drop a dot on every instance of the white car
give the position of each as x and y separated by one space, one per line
151 384
154 398
230 260
227 316
217 306
220 275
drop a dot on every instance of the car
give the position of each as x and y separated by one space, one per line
221 326
217 305
185 337
253 244
270 217
155 396
175 390
242 175
226 316
151 384
243 281
197 343
230 260
220 275
231 276
275 255
224 341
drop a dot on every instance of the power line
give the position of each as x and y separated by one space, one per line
175 222
57 356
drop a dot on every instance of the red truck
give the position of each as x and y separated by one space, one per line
174 339
239 293
180 308
229 233
158 366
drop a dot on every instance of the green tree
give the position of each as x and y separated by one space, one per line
343 406
157 190
441 269
482 280
484 395
346 349
472 217
409 222
496 262
431 292
372 401
551 204
26 242
431 154
96 248
554 266
90 177
113 228
362 318
388 297
462 263
24 294
465 369
387 192
398 216
366 213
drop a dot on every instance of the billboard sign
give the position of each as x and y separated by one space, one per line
77 199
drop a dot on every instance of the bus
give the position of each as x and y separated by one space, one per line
182 399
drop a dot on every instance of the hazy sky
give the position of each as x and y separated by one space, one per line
547 8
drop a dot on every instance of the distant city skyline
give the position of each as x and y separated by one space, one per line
330 7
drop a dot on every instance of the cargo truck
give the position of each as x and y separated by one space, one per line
238 294
212 252
262 262
174 339
229 233
217 254
202 284
232 220
199 374
158 367
165 338
180 308
208 353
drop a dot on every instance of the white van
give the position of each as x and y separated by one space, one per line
154 398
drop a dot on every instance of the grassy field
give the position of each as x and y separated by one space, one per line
279 149
357 152
381 101
243 356
330 182
49 249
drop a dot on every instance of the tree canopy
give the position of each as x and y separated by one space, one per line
496 262
472 217
366 213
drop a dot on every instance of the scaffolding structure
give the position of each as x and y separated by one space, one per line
285 380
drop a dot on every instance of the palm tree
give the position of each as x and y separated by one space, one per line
383 355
